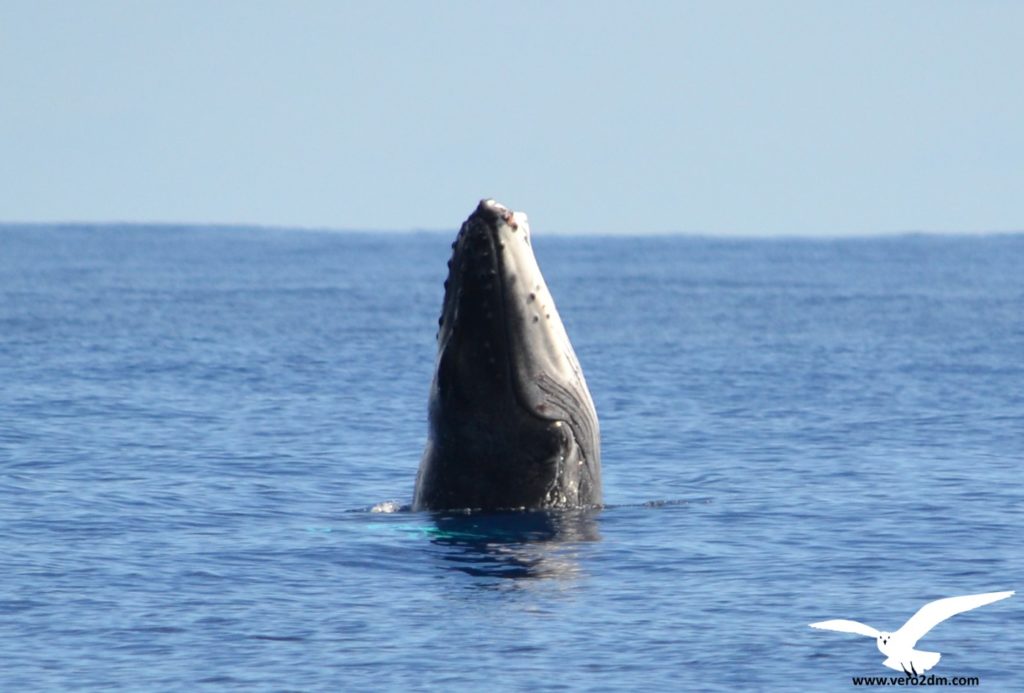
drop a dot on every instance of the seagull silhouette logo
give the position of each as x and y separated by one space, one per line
898 647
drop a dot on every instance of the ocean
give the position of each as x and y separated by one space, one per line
207 436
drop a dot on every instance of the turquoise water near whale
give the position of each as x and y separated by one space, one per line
196 423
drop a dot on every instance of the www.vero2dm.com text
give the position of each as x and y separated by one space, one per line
930 680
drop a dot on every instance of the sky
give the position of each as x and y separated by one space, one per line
720 118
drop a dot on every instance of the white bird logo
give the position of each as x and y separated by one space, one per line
898 647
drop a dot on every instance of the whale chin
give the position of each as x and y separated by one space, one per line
511 421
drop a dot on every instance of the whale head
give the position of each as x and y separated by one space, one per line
512 423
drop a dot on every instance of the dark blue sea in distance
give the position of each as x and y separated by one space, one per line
196 425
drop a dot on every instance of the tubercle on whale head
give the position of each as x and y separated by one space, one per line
497 308
477 246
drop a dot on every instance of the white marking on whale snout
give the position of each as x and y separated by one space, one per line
516 221
531 305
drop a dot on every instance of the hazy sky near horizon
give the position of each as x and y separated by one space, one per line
751 118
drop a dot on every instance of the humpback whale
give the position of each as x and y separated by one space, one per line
511 421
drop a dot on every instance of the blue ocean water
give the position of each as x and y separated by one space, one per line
195 424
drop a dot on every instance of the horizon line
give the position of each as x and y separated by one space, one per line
719 235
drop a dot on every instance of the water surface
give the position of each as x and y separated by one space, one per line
195 422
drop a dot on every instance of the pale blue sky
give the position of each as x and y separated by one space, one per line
752 118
